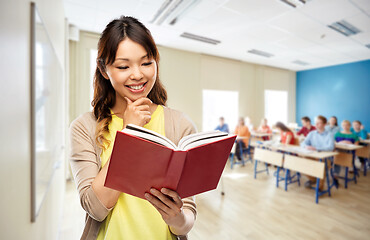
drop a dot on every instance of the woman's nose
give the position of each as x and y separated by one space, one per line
136 74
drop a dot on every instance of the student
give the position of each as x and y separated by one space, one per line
318 140
286 135
358 129
306 127
346 137
249 124
243 134
264 128
127 90
333 125
223 127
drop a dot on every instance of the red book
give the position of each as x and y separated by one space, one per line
142 159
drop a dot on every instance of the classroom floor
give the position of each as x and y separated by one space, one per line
255 209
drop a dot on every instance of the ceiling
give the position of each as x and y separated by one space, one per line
288 33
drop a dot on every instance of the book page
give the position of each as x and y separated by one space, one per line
149 135
203 141
199 136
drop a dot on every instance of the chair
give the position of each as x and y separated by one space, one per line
345 160
364 153
268 157
243 153
306 166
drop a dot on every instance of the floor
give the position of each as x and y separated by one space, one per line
256 209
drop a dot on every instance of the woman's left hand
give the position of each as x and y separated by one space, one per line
169 205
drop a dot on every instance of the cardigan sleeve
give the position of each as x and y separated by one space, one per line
85 167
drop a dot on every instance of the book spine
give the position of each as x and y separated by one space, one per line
174 170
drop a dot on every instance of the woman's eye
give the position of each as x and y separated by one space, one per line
147 64
124 67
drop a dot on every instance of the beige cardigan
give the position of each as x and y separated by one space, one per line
85 163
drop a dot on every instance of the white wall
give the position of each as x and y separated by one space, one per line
15 201
185 74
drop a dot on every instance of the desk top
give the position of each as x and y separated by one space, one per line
347 146
295 149
367 141
257 134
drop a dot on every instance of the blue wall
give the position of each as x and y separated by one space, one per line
342 91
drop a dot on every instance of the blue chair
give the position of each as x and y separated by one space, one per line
244 153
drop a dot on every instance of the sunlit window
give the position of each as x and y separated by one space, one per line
276 106
220 103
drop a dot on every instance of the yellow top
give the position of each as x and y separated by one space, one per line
132 217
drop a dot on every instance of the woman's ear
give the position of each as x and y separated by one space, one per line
101 65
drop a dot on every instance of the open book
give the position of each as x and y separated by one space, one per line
142 159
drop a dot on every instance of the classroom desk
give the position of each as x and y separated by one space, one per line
351 148
260 135
294 149
365 141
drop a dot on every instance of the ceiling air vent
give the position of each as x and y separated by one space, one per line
261 53
173 10
294 3
200 38
344 28
367 45
302 63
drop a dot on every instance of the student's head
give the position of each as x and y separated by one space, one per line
222 121
333 121
320 123
264 122
127 66
306 121
356 125
281 127
241 121
346 125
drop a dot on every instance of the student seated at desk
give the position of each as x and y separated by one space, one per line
333 125
223 127
241 131
264 128
346 137
358 129
287 136
306 127
318 140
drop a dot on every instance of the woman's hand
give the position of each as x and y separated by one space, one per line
169 204
311 148
137 112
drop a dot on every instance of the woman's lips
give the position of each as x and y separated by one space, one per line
136 88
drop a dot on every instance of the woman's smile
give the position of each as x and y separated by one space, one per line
136 88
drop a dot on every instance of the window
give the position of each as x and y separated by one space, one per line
276 106
218 104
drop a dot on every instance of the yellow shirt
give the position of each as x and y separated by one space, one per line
132 217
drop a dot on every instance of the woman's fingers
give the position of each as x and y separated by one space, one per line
174 195
157 203
142 101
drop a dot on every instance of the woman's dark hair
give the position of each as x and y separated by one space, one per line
282 126
306 119
104 94
336 120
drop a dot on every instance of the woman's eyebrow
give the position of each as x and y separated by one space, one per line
126 59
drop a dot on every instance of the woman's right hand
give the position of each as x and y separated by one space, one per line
137 112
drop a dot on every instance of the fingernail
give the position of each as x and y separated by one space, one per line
152 190
146 195
163 190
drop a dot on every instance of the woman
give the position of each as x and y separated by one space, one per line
127 90
264 128
286 135
332 127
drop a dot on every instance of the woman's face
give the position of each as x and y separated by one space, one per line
332 121
133 73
